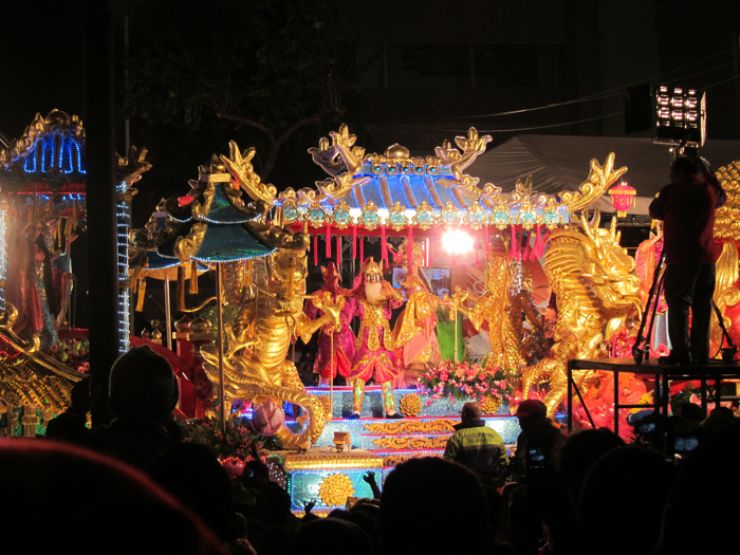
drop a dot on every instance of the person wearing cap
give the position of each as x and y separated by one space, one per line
142 395
539 443
475 445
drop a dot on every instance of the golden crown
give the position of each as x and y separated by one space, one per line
373 268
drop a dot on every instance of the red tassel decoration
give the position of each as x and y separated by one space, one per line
362 249
383 247
339 251
527 248
513 249
486 241
427 253
539 244
354 242
409 248
315 250
328 241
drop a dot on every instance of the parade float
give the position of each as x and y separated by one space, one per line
413 213
421 263
42 223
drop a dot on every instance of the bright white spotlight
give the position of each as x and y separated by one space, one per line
457 242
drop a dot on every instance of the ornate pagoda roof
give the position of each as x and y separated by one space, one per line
52 147
213 223
49 158
398 190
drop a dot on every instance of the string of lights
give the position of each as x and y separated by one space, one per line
123 224
55 152
3 258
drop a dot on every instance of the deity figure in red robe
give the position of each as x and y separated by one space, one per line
373 301
336 349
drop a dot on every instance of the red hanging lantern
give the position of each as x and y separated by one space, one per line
623 198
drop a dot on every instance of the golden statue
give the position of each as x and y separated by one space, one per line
259 368
256 364
494 308
596 292
414 335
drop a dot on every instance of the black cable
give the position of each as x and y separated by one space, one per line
614 91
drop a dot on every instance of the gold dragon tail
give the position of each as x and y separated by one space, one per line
238 384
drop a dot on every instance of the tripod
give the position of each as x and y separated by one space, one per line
728 353
641 348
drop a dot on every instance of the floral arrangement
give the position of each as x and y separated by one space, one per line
239 440
73 352
464 380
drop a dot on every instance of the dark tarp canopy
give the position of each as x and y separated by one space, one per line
560 162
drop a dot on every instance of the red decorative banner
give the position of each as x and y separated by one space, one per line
409 248
354 242
328 241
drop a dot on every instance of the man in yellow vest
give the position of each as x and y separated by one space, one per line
477 446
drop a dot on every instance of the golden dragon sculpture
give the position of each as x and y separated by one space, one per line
256 362
270 318
596 290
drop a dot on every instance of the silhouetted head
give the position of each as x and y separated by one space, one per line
698 517
330 536
470 412
142 385
80 396
531 412
273 502
684 166
581 450
193 475
70 500
430 506
691 411
622 499
718 419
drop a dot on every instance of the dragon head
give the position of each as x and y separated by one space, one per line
288 272
610 268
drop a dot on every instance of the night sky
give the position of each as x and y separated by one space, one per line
413 73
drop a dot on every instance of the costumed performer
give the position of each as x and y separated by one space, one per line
373 299
334 354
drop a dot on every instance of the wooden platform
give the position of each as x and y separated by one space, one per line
713 372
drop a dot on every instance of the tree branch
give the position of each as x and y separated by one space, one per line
275 143
250 122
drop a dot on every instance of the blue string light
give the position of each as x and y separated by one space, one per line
56 149
123 224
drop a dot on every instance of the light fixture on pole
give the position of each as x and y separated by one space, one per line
680 116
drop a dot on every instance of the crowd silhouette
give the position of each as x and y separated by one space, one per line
135 487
